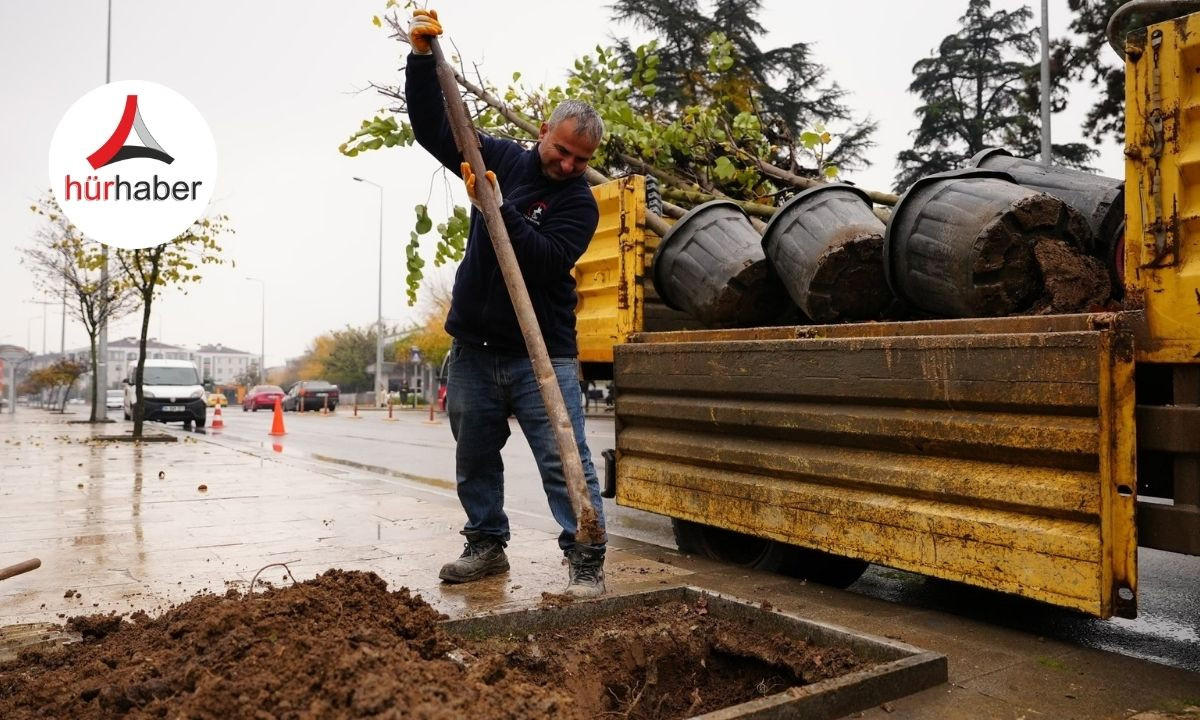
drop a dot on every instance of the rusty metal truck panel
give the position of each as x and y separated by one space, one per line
995 452
1162 186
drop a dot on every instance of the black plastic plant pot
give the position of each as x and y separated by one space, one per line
711 265
1100 199
826 246
961 243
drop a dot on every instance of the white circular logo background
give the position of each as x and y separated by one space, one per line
165 126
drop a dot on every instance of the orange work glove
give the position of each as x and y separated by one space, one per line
423 25
469 179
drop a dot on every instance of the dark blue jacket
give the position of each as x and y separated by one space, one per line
549 223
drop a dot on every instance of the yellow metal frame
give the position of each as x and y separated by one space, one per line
608 276
1162 187
997 452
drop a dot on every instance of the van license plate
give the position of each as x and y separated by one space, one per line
174 408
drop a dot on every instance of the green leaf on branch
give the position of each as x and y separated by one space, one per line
723 169
424 224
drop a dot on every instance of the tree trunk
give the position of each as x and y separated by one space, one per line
139 414
99 413
147 291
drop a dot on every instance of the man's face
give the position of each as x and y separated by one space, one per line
564 153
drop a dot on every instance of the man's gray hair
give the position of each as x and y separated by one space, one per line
587 120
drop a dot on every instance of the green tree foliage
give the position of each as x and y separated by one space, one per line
980 90
704 118
147 272
784 87
1092 59
348 356
58 378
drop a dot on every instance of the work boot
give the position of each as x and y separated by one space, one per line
482 555
586 573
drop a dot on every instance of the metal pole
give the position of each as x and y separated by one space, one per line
100 382
379 308
262 339
380 391
1047 157
62 341
262 347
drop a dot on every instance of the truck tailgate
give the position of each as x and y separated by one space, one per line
996 452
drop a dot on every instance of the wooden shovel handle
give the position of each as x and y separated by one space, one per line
588 530
22 567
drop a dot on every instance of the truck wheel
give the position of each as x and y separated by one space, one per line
200 421
825 568
728 546
762 554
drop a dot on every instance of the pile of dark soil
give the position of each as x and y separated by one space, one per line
342 646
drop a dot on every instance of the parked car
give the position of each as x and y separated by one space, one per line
113 399
262 396
311 395
172 391
214 399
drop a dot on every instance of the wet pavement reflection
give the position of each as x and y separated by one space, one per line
144 525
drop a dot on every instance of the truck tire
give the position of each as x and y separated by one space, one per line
728 546
762 554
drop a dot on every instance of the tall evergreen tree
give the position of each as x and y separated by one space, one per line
981 90
1092 59
787 88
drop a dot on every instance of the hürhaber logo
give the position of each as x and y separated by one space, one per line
133 164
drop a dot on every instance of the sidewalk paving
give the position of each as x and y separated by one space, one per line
129 527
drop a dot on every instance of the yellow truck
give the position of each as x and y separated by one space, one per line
1030 455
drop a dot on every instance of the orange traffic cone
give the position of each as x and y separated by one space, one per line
277 422
217 422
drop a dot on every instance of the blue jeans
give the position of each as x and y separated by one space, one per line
483 389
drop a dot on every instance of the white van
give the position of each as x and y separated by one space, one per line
172 391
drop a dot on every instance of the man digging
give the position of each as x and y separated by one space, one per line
550 216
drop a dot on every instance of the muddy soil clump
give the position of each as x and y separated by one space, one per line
343 646
1072 282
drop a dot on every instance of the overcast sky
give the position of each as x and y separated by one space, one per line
279 83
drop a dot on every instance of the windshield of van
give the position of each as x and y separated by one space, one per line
170 376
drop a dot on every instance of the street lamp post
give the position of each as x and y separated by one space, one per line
100 382
45 312
29 333
380 391
262 347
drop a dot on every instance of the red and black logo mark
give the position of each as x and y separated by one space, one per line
115 150
534 213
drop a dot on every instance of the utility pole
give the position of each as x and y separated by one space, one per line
100 382
380 391
262 347
1047 158
45 311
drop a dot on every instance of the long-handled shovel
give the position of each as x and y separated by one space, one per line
22 567
588 529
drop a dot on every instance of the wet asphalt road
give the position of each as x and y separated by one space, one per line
412 450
